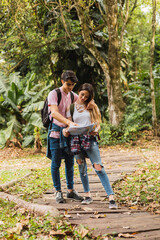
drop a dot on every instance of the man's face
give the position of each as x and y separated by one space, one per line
68 85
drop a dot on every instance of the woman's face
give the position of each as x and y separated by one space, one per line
83 96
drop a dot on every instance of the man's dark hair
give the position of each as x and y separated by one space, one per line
69 75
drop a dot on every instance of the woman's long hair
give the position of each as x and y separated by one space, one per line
94 113
87 87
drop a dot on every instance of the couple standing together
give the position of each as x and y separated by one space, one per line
85 112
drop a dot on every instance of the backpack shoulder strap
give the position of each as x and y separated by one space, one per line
72 97
72 110
58 95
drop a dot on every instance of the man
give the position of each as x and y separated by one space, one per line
58 112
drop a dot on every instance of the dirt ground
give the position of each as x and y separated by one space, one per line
148 146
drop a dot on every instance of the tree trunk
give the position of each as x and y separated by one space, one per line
154 117
37 208
9 184
37 141
116 106
112 71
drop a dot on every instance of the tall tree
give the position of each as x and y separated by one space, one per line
111 70
154 116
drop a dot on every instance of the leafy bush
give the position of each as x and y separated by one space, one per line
21 101
129 130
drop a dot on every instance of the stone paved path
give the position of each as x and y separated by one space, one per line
97 216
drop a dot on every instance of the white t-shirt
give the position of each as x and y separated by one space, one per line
81 118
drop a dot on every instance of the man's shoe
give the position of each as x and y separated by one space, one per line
59 197
87 200
74 195
112 204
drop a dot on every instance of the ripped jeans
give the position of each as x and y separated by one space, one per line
94 156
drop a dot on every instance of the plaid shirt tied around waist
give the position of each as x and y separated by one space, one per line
79 143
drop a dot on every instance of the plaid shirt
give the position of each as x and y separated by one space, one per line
79 143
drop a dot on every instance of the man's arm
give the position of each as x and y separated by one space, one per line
55 114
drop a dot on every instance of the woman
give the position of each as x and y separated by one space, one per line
88 143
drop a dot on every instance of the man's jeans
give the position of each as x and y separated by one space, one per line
56 156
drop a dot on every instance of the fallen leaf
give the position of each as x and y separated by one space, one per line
24 222
128 213
125 235
87 209
83 232
58 232
126 227
138 194
68 216
134 207
17 229
22 210
149 198
99 216
77 207
96 212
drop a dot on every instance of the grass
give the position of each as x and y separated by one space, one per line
9 175
34 185
37 183
19 224
141 189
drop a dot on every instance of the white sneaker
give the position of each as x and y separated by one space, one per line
112 204
87 200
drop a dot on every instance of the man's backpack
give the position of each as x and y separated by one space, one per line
45 115
72 110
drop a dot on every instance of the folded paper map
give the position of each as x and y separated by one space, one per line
80 130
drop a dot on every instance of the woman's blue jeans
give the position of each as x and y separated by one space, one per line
56 156
94 156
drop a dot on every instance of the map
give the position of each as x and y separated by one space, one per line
79 130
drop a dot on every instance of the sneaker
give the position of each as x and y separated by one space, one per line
112 204
59 197
74 195
87 200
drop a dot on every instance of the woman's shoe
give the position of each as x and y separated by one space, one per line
87 200
112 204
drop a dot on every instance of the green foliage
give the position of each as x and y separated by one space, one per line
111 135
21 102
34 42
137 117
157 88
